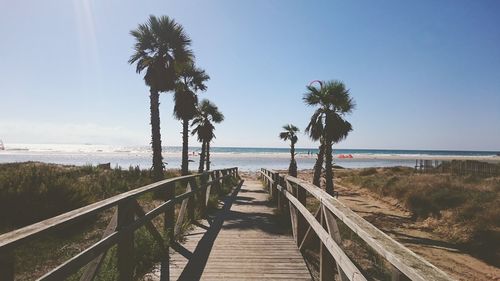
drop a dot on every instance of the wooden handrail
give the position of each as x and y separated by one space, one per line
404 261
126 203
35 230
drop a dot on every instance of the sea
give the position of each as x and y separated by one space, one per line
246 158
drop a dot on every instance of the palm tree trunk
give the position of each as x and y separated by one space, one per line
328 167
202 157
318 167
292 169
185 143
208 156
155 134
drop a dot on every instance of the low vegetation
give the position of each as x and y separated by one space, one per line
465 209
30 192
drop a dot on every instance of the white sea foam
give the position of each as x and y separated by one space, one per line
245 158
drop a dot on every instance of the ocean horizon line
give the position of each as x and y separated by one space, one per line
15 146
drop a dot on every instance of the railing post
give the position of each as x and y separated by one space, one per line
216 181
169 219
274 188
6 265
203 196
168 227
301 221
334 231
192 201
326 261
125 251
271 184
281 196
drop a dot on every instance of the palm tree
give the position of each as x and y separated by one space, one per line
208 114
333 102
191 80
290 133
315 129
161 47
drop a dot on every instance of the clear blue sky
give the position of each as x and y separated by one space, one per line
425 74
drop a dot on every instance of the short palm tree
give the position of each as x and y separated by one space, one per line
208 114
161 47
191 80
333 102
290 133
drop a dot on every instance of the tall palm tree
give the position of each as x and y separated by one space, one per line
191 80
333 102
161 47
208 114
290 133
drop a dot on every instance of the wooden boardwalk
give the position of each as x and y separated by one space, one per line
241 242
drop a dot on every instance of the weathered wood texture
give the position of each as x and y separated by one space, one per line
241 242
407 263
129 218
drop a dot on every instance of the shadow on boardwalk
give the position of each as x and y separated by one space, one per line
241 241
198 259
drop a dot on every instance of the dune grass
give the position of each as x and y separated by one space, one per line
30 192
463 209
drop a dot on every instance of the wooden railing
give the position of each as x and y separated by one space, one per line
128 217
287 190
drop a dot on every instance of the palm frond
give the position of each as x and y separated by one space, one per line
333 101
160 45
206 114
284 136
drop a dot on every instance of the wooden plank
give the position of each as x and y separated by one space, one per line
94 265
164 249
150 227
333 230
326 261
72 265
125 251
191 206
243 244
202 204
338 254
182 212
13 238
302 225
169 215
309 233
293 213
410 264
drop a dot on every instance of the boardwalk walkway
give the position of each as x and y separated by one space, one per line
241 242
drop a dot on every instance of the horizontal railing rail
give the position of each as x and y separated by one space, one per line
291 191
128 217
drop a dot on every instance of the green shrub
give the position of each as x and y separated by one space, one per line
30 192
